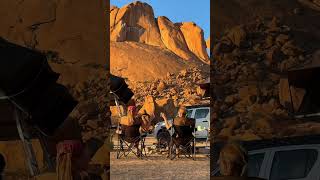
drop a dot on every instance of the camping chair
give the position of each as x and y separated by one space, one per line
187 147
126 144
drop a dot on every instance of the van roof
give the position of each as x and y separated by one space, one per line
275 142
198 106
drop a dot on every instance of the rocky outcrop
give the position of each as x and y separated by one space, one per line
141 62
134 22
194 38
173 38
208 43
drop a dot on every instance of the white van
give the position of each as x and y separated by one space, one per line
202 116
297 162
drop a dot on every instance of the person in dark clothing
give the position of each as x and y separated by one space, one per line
183 127
233 160
130 126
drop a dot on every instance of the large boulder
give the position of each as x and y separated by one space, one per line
194 38
135 22
155 107
173 38
317 2
149 106
237 35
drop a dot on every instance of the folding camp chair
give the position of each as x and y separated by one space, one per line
188 147
125 147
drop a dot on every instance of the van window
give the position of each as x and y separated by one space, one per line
294 164
201 113
189 113
254 164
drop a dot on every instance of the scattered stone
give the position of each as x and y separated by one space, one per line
248 81
161 86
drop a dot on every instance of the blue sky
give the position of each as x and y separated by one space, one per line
179 11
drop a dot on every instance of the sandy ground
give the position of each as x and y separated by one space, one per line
157 166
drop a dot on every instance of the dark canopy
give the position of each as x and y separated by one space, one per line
304 77
21 68
27 80
120 88
307 78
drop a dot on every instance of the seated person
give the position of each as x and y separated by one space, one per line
183 127
146 120
130 126
233 162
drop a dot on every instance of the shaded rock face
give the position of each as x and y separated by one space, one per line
250 10
251 94
134 22
92 112
64 27
194 38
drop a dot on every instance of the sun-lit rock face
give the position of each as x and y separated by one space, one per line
173 38
134 22
194 37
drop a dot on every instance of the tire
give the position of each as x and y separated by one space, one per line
163 137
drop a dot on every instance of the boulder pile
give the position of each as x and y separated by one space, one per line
166 94
250 89
93 110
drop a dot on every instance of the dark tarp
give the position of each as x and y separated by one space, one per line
304 77
307 78
8 128
26 77
21 68
119 87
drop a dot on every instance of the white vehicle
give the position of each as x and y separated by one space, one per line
202 116
298 161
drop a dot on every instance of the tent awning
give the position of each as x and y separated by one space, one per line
304 77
